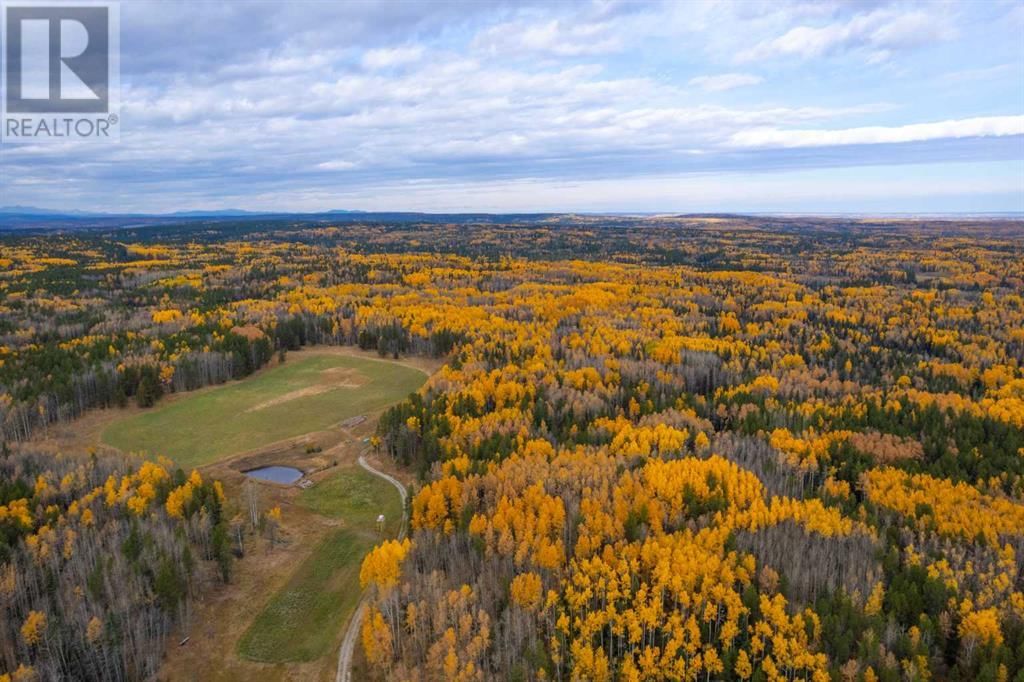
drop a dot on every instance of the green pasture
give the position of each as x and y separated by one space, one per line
202 427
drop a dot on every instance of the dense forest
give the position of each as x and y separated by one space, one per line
675 448
97 556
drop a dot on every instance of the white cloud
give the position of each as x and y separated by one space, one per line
337 165
930 188
554 37
724 81
374 95
987 126
1007 70
385 58
880 32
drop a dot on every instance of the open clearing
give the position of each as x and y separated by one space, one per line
302 621
283 614
355 496
303 395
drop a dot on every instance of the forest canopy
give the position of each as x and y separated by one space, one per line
674 448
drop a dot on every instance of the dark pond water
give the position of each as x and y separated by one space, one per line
276 474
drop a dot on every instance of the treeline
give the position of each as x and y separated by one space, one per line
55 385
63 393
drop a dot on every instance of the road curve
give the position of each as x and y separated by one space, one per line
348 644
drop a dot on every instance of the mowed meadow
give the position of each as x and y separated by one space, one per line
303 395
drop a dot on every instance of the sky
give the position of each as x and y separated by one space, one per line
596 106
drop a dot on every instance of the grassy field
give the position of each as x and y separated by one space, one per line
304 618
355 495
303 395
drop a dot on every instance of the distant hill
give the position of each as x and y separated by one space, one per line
198 213
32 210
227 212
32 217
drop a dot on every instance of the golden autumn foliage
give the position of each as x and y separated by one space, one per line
382 566
668 448
956 509
177 499
981 626
94 630
525 590
166 316
33 628
438 505
874 604
376 638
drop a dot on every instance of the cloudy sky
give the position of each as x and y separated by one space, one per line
745 106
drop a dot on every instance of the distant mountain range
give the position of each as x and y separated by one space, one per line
215 213
32 210
25 218
32 217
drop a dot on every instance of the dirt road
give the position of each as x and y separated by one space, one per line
348 644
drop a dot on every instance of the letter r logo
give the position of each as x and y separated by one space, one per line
57 59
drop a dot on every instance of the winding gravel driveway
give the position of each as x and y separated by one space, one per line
348 644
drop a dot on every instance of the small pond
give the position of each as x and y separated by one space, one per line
277 474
